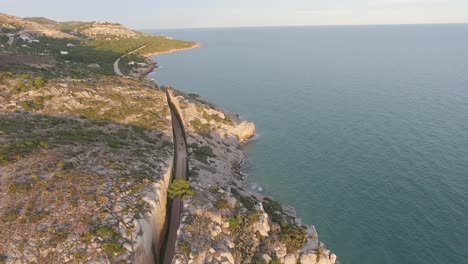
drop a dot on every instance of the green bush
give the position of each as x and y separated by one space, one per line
248 202
39 82
105 232
222 204
275 261
202 129
294 237
180 189
253 216
273 209
234 224
184 247
113 248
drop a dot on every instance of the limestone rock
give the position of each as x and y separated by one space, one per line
280 251
266 258
262 226
244 130
308 258
290 259
324 260
226 257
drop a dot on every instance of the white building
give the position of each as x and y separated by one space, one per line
70 45
26 38
63 52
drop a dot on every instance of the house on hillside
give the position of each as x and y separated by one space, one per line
142 64
70 45
63 52
131 63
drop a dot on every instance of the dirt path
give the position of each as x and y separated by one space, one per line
117 61
180 172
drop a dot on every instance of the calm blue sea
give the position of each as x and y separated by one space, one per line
363 129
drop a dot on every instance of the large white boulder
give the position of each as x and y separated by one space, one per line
290 259
308 258
244 130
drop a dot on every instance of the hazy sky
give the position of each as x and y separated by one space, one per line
141 14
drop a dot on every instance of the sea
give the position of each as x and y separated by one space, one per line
363 129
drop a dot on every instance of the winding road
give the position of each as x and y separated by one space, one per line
117 61
180 172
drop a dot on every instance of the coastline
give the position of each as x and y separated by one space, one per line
153 54
220 178
224 197
153 64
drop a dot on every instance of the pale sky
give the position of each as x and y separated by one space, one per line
152 14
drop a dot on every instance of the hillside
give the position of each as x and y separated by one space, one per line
79 48
12 24
88 161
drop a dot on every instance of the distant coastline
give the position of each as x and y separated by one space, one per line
153 64
153 54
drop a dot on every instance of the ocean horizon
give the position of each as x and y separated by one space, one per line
364 129
156 31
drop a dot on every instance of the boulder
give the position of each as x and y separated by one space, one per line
262 226
266 258
290 259
244 130
280 251
308 258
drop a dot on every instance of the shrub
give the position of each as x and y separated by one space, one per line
113 248
184 247
253 216
248 202
202 129
234 224
10 216
39 82
180 189
222 204
19 84
294 237
275 261
273 209
105 232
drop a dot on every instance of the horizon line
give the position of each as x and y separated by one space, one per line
285 26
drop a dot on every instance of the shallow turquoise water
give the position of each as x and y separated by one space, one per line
363 129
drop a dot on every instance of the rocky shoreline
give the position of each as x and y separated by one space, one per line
226 221
152 64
